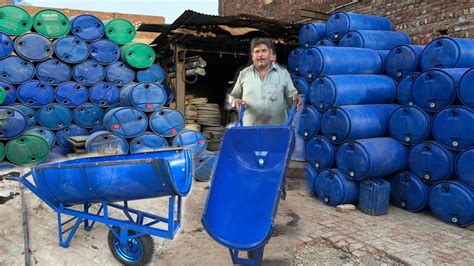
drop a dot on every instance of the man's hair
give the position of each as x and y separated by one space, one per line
265 41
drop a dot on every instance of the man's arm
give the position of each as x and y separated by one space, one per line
235 96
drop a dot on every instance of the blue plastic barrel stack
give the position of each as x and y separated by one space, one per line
386 119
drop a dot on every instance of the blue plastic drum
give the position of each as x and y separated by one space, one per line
87 27
48 134
119 74
334 188
431 163
88 73
341 22
294 59
404 89
453 127
35 93
153 74
88 115
71 49
302 86
403 60
465 167
147 142
147 97
16 70
11 93
169 95
105 52
311 33
374 39
192 140
70 131
33 47
53 72
12 123
97 128
320 153
446 52
310 123
54 116
311 175
204 166
6 46
410 125
126 122
167 122
104 94
106 143
453 203
326 42
29 113
409 192
71 94
465 90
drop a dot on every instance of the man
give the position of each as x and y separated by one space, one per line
264 89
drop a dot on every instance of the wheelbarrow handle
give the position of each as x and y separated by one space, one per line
288 122
13 176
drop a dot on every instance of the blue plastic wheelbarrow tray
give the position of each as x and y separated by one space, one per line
110 179
246 187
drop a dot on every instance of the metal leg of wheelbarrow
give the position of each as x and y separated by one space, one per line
254 256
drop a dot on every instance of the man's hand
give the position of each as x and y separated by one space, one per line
238 103
298 101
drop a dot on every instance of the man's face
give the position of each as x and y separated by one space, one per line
261 56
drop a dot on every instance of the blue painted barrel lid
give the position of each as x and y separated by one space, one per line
54 116
356 159
6 45
88 115
147 97
33 47
53 71
453 203
147 142
16 70
403 60
330 187
434 89
119 74
105 52
29 113
71 49
320 153
301 85
311 64
71 94
465 91
408 192
126 122
47 133
338 21
106 143
204 166
465 167
325 42
337 125
323 93
153 74
311 33
404 89
88 73
12 123
11 93
311 175
352 38
431 162
294 59
409 125
443 52
309 124
453 126
70 131
167 122
104 94
35 93
87 27
192 140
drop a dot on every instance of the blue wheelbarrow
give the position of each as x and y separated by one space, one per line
246 187
108 181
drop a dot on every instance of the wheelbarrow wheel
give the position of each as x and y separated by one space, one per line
139 250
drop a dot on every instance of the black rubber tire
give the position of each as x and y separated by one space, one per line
146 241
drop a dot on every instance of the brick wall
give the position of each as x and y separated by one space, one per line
144 37
422 20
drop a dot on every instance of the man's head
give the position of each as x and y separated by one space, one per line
262 50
